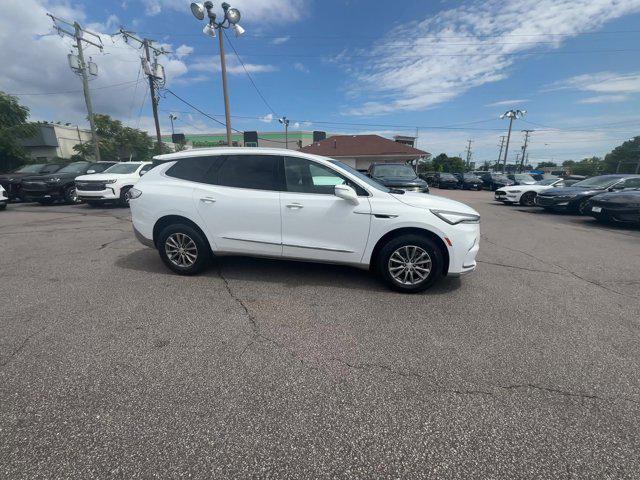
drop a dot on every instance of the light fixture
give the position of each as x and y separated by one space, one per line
238 30
209 30
198 10
233 15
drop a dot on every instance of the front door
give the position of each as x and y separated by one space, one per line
315 223
241 205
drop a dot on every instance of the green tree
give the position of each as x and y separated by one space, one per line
588 166
13 127
546 164
444 163
624 158
117 142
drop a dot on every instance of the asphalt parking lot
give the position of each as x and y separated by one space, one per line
113 367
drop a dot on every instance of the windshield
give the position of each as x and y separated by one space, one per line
123 168
497 176
470 176
360 176
547 181
35 168
524 177
448 176
597 182
75 167
402 171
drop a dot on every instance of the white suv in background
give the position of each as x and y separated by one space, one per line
4 198
284 204
111 185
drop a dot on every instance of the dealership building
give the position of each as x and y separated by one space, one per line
53 140
293 140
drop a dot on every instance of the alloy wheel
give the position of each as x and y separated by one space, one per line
409 265
181 250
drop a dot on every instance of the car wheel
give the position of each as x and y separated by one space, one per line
183 249
70 194
410 263
528 199
124 197
3 206
583 207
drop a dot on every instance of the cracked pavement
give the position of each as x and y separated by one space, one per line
112 367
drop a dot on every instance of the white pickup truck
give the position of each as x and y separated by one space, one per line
112 185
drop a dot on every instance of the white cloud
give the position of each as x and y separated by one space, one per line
253 11
183 51
612 87
280 40
41 66
455 50
233 66
503 103
268 118
300 67
605 99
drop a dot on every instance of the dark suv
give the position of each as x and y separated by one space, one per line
445 180
397 175
468 181
12 182
493 181
46 189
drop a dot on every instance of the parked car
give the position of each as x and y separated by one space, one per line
112 185
576 198
12 182
445 180
493 181
526 194
46 189
622 206
397 175
284 204
521 179
468 181
4 198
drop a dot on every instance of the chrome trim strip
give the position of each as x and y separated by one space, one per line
318 248
374 214
251 241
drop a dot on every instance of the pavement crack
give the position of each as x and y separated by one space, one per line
518 267
20 347
565 393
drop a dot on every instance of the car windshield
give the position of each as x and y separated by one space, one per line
523 177
497 176
123 168
360 176
597 182
75 167
448 176
470 176
35 168
547 181
402 171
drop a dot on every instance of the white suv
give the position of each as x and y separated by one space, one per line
292 205
4 198
111 185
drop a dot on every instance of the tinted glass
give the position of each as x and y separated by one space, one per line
123 168
99 166
447 176
257 172
54 167
34 168
369 181
194 169
402 171
75 167
597 182
146 168
631 183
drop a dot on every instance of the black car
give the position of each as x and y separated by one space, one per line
493 181
397 175
445 180
60 185
622 206
576 198
521 179
468 181
12 182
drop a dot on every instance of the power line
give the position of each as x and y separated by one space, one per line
72 91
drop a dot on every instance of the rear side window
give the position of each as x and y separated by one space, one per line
257 172
194 169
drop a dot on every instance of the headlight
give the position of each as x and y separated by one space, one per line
454 218
134 193
110 181
54 180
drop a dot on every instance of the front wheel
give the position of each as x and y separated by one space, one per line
528 199
583 207
183 249
410 263
70 195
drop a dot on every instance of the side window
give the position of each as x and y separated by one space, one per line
631 183
146 168
194 169
304 176
257 172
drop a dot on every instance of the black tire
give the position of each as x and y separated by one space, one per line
71 195
582 207
383 262
3 206
124 198
528 199
202 252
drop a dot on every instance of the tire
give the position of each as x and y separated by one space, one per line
124 198
528 199
172 237
3 206
403 247
70 194
581 208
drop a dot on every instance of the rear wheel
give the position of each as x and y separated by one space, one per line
410 263
528 199
183 249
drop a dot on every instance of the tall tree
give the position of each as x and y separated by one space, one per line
444 163
13 127
546 164
624 158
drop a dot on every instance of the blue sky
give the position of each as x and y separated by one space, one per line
448 68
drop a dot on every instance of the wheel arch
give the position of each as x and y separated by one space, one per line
406 231
167 220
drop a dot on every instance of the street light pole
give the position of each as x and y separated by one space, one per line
172 117
230 20
511 115
285 121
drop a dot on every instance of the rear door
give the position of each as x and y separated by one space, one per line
240 204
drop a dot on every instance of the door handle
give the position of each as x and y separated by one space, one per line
294 206
208 200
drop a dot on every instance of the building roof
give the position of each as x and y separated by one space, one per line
359 145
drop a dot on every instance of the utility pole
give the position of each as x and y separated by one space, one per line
469 153
225 91
501 148
511 115
155 73
81 67
524 147
285 121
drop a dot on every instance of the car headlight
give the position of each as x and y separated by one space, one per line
134 193
454 218
54 180
110 181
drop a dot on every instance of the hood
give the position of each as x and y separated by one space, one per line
420 200
400 181
530 188
105 176
61 176
472 180
569 191
627 196
16 176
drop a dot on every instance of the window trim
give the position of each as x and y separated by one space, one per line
338 173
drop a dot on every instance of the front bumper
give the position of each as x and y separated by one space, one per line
41 192
465 242
554 203
616 213
147 242
108 194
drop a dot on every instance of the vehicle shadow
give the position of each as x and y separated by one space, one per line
284 272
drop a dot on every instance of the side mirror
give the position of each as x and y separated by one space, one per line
346 193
